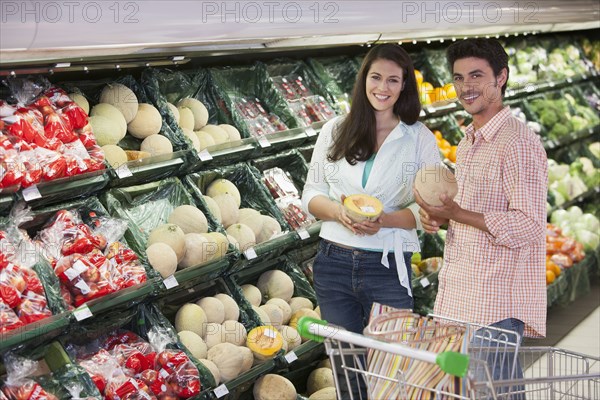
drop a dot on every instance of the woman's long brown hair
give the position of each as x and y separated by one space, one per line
355 136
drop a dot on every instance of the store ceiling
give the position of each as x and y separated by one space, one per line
35 33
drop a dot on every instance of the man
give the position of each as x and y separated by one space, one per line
494 257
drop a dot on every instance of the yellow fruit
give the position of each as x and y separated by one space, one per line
418 77
550 277
450 91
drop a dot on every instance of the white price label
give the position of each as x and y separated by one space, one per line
270 333
31 193
170 282
123 172
205 155
263 141
82 313
77 269
163 373
303 233
367 209
250 253
291 357
425 282
310 131
221 391
81 285
430 109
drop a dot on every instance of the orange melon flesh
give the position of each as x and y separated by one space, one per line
360 207
264 341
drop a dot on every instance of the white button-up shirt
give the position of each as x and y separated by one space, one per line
406 149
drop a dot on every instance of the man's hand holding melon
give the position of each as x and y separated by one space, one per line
434 189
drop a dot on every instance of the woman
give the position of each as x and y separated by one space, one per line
375 150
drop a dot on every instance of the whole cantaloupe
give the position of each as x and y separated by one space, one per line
189 219
214 370
197 250
297 303
219 135
193 138
224 186
205 139
228 359
252 294
198 110
191 317
270 227
221 245
162 258
432 181
284 306
274 387
229 209
186 118
213 207
232 131
106 131
327 393
81 101
251 218
147 122
156 145
275 283
243 234
112 112
233 332
318 379
213 308
170 234
114 155
232 310
194 343
121 97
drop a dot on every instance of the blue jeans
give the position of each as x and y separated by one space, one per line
347 283
501 363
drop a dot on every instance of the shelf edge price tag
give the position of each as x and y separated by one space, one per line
291 357
82 312
424 282
205 155
170 282
310 131
221 391
303 233
250 253
123 171
31 193
263 141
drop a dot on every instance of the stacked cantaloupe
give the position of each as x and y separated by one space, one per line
245 227
192 117
119 113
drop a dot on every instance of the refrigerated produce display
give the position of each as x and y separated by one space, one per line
153 241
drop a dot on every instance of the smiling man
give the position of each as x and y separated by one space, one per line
494 257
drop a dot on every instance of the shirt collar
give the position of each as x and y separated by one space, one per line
489 130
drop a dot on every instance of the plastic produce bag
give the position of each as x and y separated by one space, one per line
137 351
18 384
337 75
240 87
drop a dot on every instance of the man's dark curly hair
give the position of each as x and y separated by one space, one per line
488 49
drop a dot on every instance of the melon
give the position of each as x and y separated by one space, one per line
251 218
162 258
197 250
170 234
275 283
432 181
214 370
186 118
193 138
194 343
297 303
213 207
191 317
361 207
121 97
275 314
218 134
327 393
326 363
228 360
189 219
247 358
232 131
262 315
81 101
303 312
228 209
233 241
113 113
284 306
133 155
252 294
198 109
318 311
264 341
233 332
156 145
114 155
274 387
147 122
221 245
319 379
174 111
213 308
224 186
243 234
270 228
106 131
205 139
213 334
291 337
232 310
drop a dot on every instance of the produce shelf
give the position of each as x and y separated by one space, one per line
136 172
35 333
573 137
582 198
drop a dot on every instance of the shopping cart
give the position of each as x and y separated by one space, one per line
390 362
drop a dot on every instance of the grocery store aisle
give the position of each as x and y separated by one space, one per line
585 337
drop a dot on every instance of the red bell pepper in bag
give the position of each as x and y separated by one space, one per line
8 319
33 307
30 390
75 115
86 135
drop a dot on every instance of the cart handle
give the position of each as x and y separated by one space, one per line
451 362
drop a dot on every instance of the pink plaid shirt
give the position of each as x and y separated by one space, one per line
502 172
